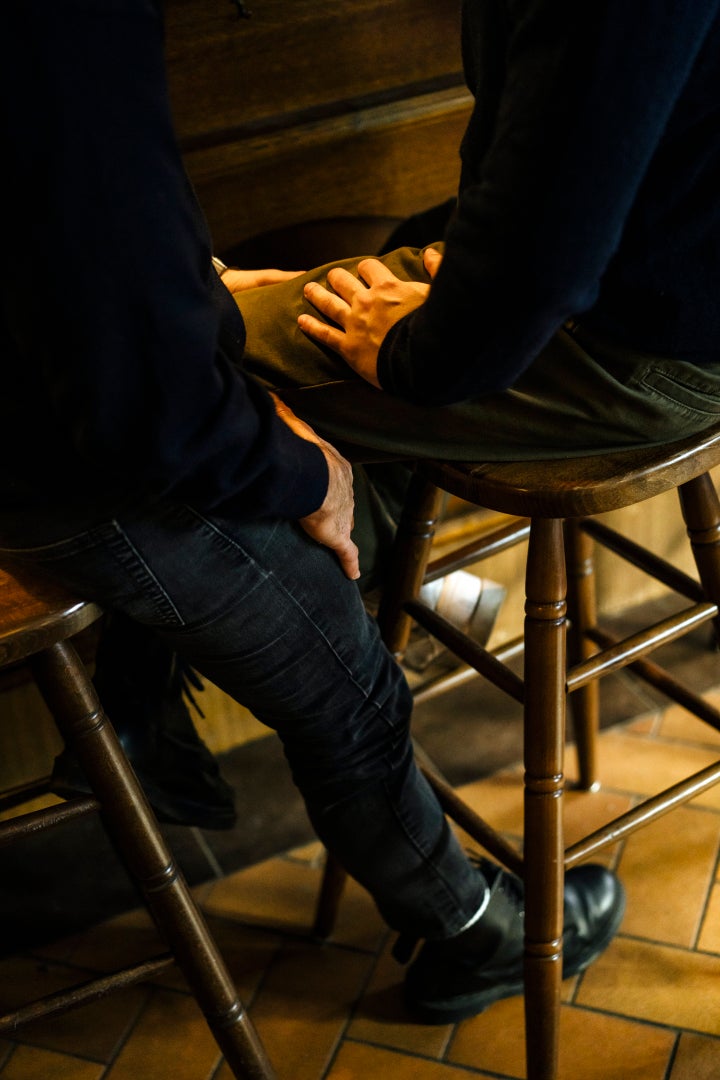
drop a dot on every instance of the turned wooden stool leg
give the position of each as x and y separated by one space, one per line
71 698
544 737
701 511
409 559
329 897
582 616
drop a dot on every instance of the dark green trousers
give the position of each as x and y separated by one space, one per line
582 395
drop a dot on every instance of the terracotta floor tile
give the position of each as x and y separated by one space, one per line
171 1039
91 1032
586 811
709 940
500 800
667 868
334 1011
61 950
31 1063
359 923
658 983
132 937
495 1041
303 1004
380 1017
125 939
678 723
356 1061
282 893
697 1058
628 763
277 893
313 854
647 724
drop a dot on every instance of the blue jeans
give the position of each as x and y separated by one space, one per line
268 616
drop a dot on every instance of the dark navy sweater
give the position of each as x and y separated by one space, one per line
119 347
590 189
591 172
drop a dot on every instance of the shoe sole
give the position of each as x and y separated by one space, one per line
449 1011
464 1005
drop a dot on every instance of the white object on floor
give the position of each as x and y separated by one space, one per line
471 603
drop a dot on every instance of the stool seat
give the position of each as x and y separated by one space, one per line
575 486
36 613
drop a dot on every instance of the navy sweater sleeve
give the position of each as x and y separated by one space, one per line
135 343
572 103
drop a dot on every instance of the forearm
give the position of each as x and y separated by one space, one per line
553 160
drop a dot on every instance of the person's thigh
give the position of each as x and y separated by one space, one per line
267 615
582 394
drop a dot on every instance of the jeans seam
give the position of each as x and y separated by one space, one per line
120 532
270 576
426 857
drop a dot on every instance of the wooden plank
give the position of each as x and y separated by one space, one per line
228 74
389 161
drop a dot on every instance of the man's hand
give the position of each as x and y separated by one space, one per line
239 280
331 524
364 310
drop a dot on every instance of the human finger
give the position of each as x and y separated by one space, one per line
321 331
349 557
285 413
344 283
239 280
431 261
375 272
329 304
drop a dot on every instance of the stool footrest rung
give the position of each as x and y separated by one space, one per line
46 817
481 547
450 680
645 560
475 826
643 814
638 645
666 683
484 662
83 993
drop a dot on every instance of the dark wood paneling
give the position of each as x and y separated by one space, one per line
387 162
302 56
315 110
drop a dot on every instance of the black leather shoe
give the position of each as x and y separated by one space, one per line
143 688
451 980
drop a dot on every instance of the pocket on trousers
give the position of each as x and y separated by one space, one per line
683 388
102 564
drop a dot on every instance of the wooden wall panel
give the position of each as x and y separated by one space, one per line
313 110
304 57
390 161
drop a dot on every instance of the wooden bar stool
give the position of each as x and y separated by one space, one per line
37 619
551 504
